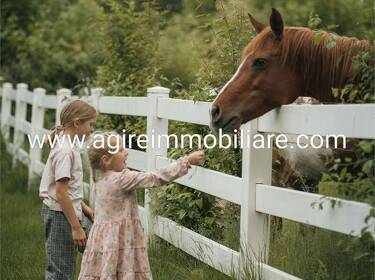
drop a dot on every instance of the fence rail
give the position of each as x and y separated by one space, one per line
252 191
297 206
351 120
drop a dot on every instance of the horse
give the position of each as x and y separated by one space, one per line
280 64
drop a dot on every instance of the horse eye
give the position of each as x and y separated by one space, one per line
260 63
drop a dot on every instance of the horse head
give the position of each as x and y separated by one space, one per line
261 82
278 65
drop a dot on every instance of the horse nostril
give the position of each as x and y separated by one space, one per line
215 112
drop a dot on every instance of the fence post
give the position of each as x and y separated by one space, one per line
95 96
20 116
37 123
6 104
155 126
254 226
63 96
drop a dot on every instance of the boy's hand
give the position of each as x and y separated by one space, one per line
195 158
89 213
79 236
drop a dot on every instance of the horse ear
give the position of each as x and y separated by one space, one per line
276 23
258 26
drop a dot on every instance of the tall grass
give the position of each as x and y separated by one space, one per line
321 254
167 263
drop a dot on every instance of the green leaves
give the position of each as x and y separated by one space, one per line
193 209
181 214
366 146
368 166
55 46
318 37
332 26
351 174
360 255
331 44
314 21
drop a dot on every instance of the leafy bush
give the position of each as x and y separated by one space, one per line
352 175
193 209
53 44
130 67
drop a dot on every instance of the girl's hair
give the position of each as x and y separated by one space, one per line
108 140
73 111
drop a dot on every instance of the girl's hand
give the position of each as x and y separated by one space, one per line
196 157
89 213
79 236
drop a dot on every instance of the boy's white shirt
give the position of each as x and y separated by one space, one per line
64 161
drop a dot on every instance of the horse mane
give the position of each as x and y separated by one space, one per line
323 65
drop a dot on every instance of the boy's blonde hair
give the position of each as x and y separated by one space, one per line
95 153
74 110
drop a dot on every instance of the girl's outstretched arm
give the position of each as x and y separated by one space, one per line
130 180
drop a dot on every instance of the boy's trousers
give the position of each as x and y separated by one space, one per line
60 249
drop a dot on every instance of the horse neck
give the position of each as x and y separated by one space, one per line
319 67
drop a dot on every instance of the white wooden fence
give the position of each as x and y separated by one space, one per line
253 192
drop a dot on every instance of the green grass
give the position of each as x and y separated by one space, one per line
169 263
322 254
21 229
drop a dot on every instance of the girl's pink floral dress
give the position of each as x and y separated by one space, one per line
115 247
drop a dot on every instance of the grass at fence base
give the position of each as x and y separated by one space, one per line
22 238
168 263
322 254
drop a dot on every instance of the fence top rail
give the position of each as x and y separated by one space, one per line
49 102
121 105
184 110
351 120
27 96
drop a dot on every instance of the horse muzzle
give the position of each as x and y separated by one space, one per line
226 123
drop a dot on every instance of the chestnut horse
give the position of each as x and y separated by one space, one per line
278 65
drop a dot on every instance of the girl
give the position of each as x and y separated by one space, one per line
115 247
61 189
